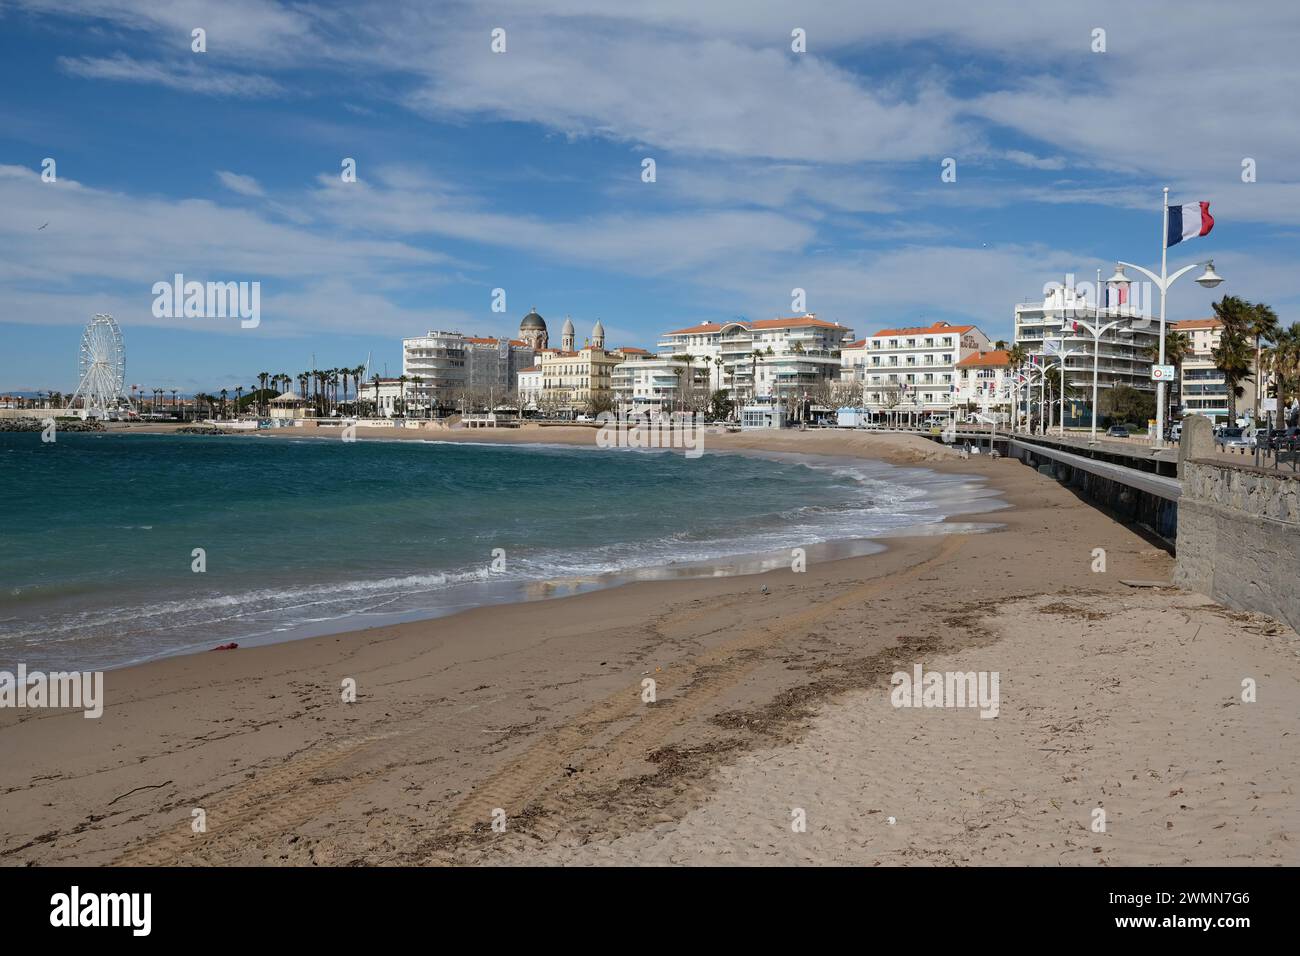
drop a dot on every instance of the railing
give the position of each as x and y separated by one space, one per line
1277 449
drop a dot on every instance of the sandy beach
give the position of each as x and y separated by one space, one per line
772 708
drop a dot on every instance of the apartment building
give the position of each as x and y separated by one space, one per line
443 366
1202 388
764 359
911 372
658 384
1050 329
984 384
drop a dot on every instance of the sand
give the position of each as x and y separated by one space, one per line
766 702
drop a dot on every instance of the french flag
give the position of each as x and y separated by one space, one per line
1188 221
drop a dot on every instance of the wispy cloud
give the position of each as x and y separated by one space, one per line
176 75
239 183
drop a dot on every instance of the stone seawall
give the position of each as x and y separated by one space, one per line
1239 534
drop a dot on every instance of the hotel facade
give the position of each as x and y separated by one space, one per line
911 373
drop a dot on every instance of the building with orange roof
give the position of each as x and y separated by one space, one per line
1201 387
984 383
762 359
909 373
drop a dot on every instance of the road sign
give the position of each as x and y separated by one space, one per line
1162 373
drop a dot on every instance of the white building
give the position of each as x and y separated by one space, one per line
767 358
443 366
385 396
530 388
911 373
1049 328
652 384
984 384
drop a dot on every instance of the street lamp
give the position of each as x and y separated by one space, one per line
1029 398
1208 279
1096 331
1063 355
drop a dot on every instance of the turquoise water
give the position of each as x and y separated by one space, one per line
97 532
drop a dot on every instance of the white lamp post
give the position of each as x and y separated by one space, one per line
1208 279
1096 331
1063 355
1029 372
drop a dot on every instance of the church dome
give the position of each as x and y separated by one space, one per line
599 330
568 326
532 321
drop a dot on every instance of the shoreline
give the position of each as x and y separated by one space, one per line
536 708
980 499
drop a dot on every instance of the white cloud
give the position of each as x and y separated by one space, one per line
237 182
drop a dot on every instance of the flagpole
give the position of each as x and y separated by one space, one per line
1164 284
1096 353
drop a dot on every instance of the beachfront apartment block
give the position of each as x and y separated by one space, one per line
1049 329
442 367
984 384
646 384
911 373
767 359
1202 388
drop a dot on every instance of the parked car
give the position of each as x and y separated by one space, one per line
1235 438
1117 431
1176 432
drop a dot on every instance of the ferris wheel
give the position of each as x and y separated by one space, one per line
103 365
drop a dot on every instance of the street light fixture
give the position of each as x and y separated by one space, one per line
1208 279
1063 355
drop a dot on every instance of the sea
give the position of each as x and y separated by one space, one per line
119 548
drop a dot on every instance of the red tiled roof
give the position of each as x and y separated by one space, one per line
1189 324
534 368
939 327
630 351
859 344
992 359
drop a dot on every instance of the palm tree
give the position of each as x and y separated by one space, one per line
418 380
1283 361
401 390
1263 325
224 394
262 378
1017 356
718 363
375 378
1232 355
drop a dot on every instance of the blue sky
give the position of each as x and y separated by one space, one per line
477 170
